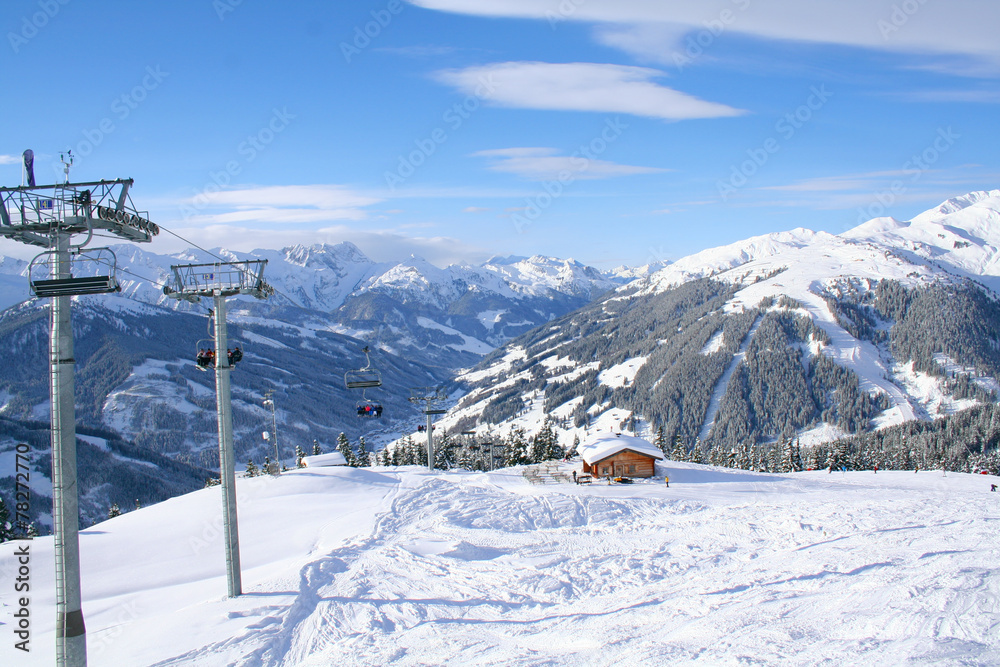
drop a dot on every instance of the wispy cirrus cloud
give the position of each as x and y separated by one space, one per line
581 87
10 159
965 27
539 164
277 204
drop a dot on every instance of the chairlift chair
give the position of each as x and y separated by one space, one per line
363 378
369 409
91 271
204 362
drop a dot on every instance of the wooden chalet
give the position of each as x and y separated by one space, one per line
616 455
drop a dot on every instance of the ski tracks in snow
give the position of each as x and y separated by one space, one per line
459 569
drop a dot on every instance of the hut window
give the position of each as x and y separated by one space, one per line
631 469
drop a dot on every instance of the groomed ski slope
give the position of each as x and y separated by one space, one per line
404 567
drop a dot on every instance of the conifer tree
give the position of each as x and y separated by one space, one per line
299 455
697 455
114 511
251 470
316 450
661 440
572 448
516 448
344 447
363 460
679 452
6 527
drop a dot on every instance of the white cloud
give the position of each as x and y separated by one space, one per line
955 27
379 245
277 204
648 42
539 164
581 87
246 218
10 159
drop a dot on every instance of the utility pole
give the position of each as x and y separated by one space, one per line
49 216
220 281
429 396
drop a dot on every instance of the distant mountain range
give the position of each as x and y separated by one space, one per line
796 334
136 377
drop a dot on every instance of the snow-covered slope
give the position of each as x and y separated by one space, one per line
399 566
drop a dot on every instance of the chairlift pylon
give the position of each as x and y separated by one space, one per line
363 378
91 271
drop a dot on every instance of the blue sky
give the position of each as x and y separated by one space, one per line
611 131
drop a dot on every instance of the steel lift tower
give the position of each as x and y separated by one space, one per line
50 216
429 396
220 281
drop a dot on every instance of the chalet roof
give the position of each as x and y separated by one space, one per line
331 459
603 445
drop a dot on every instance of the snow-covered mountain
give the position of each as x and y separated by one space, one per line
135 350
449 317
793 334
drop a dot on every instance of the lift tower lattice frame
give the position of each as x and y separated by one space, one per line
429 396
219 281
49 216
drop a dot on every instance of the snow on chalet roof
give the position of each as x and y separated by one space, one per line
331 459
604 445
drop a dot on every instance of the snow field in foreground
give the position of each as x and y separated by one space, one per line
401 566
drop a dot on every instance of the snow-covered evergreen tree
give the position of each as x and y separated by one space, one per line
316 450
697 454
6 527
114 511
572 449
299 455
251 470
516 448
543 444
344 447
661 440
363 460
679 452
